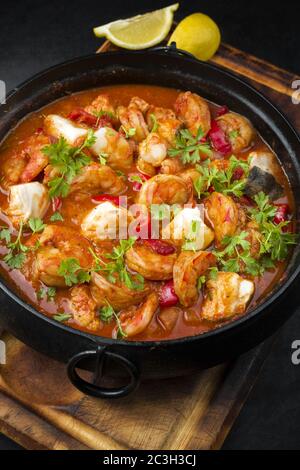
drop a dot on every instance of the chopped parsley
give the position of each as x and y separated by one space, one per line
36 224
67 162
128 132
154 122
72 272
48 293
222 180
189 147
56 216
107 314
103 158
15 256
116 268
62 317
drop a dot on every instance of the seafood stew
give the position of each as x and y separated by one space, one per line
142 212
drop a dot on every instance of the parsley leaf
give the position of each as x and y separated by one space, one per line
103 158
49 292
73 273
56 216
154 122
222 181
107 314
5 234
128 132
116 268
189 147
67 162
62 317
36 224
16 254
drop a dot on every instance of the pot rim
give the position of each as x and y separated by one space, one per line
229 326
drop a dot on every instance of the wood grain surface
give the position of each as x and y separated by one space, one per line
40 410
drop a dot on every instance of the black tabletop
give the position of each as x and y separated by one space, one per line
35 34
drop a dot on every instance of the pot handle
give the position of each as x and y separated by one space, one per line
172 49
92 388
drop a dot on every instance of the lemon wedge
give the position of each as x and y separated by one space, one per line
197 34
139 32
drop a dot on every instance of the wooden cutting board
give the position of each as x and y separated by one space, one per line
40 409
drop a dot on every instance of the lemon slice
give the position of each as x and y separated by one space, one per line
139 32
197 34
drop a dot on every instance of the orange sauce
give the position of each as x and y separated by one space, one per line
189 322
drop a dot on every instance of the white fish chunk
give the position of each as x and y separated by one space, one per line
58 126
226 296
188 227
106 222
27 200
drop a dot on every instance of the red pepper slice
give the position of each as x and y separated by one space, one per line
247 201
83 117
106 197
218 139
167 295
136 184
56 203
238 173
222 110
282 211
160 247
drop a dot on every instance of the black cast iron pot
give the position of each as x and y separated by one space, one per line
154 359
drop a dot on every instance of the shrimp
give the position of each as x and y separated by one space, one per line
57 243
27 163
238 130
132 118
223 214
101 104
145 167
136 319
193 111
117 294
152 150
151 265
188 267
226 296
95 178
166 122
167 189
171 166
141 104
190 174
117 150
83 308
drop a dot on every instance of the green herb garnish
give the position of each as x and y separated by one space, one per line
117 267
56 216
189 147
62 317
67 162
36 224
16 251
107 314
72 272
222 180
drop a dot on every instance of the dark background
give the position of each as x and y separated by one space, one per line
36 34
